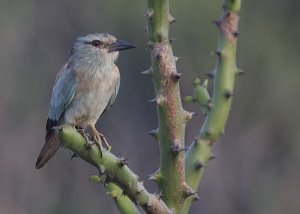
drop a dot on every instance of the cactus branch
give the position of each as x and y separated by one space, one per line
109 164
172 118
223 85
124 204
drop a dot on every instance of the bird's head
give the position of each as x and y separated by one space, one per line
99 46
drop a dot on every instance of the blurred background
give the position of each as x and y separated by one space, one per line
257 169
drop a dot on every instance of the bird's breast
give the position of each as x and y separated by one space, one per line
93 92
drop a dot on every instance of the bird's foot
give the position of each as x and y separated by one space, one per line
85 136
99 139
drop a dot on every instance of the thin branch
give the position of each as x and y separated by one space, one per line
111 166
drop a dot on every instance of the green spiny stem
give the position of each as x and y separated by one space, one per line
172 118
111 166
124 204
199 153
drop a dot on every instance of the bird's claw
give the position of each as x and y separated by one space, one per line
99 138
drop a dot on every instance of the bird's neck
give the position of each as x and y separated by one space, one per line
93 64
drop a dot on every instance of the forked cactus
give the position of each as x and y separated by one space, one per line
180 169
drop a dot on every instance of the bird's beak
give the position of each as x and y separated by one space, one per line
120 45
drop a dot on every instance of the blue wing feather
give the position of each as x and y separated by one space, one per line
62 94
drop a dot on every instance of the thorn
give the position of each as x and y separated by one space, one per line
156 177
176 76
159 56
159 100
189 115
176 58
160 36
218 52
100 171
212 156
199 165
149 13
189 192
228 14
196 138
140 187
217 22
210 75
176 149
123 193
171 40
122 161
171 19
158 196
153 100
236 33
209 132
161 195
74 156
209 105
240 72
228 94
148 72
154 133
104 180
150 44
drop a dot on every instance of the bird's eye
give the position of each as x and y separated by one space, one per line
96 43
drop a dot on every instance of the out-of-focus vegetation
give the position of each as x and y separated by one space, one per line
257 170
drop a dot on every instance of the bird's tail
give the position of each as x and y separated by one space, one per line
50 147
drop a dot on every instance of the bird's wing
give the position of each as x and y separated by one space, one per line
113 97
62 95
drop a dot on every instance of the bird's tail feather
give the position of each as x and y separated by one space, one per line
50 147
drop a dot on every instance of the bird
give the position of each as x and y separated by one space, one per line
85 87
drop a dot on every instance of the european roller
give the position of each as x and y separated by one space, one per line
85 87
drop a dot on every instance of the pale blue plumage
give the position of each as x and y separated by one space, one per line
84 88
63 93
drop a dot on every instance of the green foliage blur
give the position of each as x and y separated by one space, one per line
257 170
